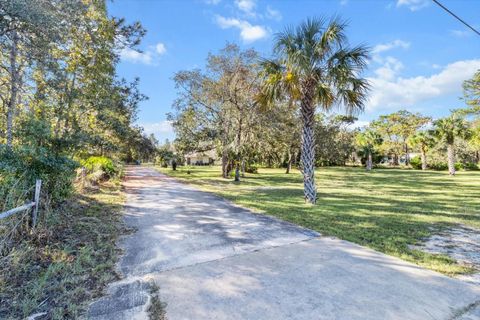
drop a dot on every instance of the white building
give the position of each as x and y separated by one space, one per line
201 158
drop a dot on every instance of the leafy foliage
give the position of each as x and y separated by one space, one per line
22 165
416 163
60 97
101 164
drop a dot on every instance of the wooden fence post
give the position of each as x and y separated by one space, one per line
38 185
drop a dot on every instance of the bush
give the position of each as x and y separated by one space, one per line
20 167
251 168
471 166
100 167
442 166
458 166
439 166
416 163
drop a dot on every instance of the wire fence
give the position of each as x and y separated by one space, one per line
14 218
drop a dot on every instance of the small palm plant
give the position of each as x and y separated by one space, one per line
423 141
368 141
448 129
314 67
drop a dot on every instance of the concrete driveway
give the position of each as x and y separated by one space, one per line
214 260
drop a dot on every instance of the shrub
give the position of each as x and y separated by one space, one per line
251 168
416 163
470 166
439 166
458 166
21 166
100 167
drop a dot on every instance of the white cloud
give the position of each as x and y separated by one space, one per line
135 56
390 68
248 32
273 14
413 5
160 48
161 128
247 6
390 90
359 124
148 57
390 45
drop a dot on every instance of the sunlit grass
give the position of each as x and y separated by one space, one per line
386 209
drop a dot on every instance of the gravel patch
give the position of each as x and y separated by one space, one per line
461 243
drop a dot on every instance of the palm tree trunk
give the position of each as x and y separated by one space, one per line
369 161
308 149
451 158
424 160
13 89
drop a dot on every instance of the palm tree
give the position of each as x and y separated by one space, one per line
448 129
423 141
368 140
314 66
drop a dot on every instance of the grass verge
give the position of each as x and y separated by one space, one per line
386 209
68 261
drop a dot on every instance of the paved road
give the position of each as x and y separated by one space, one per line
213 260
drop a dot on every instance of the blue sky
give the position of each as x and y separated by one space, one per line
420 54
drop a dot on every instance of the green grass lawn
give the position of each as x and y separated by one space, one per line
386 209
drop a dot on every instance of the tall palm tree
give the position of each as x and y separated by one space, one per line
448 129
368 140
423 141
314 66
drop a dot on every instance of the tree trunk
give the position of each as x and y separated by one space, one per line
239 142
224 164
237 170
289 162
308 149
451 158
424 160
13 88
369 161
407 156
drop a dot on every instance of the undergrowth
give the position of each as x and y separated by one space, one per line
67 261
